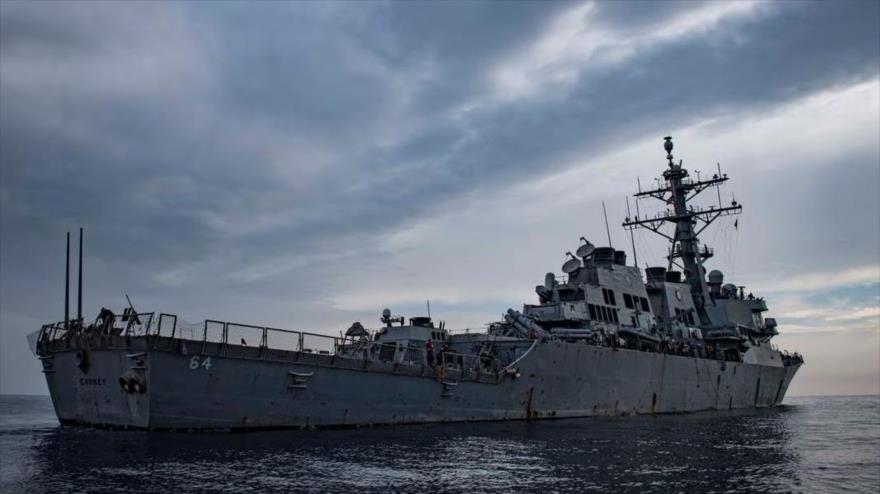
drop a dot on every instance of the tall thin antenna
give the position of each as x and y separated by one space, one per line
67 283
607 230
632 237
79 291
717 187
429 308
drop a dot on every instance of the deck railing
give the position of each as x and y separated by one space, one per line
227 334
210 331
120 325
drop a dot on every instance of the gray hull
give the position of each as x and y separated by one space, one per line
246 388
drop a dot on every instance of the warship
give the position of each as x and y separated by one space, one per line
602 341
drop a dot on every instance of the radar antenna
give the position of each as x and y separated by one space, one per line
585 250
689 221
572 264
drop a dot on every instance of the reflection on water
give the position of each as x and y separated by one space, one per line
811 444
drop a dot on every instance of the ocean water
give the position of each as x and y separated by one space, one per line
815 444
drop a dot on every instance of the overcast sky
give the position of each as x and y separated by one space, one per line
307 164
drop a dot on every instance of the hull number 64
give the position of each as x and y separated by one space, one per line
197 362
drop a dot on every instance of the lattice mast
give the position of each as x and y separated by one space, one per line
689 222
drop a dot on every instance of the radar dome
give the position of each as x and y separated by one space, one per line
716 277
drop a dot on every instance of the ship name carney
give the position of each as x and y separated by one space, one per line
92 381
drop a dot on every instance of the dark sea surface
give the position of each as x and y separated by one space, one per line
815 444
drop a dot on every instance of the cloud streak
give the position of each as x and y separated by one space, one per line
577 40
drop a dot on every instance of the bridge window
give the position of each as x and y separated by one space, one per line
602 313
571 295
628 301
608 296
